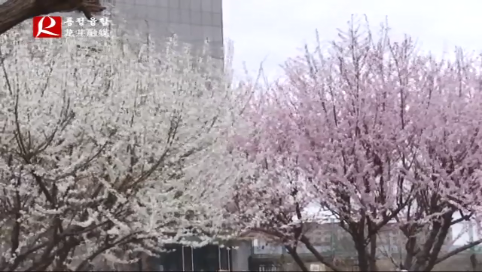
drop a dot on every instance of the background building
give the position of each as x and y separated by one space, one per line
336 245
231 256
193 21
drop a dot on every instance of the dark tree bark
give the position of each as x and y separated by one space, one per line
473 262
13 12
297 258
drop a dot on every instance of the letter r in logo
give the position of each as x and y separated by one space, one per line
47 27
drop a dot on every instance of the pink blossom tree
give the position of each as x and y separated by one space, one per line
373 133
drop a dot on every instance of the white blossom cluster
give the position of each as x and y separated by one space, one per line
109 148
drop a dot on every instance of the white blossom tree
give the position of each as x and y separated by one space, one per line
109 148
370 132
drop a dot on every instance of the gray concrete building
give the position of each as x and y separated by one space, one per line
193 21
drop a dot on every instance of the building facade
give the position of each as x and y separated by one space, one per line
185 258
336 245
229 256
193 21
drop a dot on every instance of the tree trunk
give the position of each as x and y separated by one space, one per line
317 255
13 12
473 262
372 261
296 258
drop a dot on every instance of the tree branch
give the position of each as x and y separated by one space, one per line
458 250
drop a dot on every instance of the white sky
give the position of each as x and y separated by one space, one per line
273 30
270 31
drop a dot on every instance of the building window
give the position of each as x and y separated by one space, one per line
207 258
225 258
269 268
188 258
